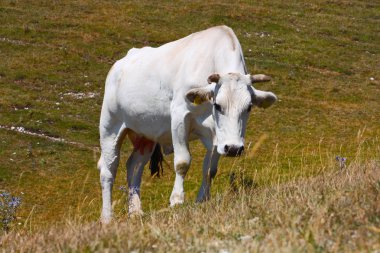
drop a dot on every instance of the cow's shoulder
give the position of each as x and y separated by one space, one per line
220 33
221 28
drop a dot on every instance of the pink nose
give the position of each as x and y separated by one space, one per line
232 150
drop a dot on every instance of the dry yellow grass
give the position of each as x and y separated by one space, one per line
337 211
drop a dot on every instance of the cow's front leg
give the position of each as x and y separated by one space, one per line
180 136
210 167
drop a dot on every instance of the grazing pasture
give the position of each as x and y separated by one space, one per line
288 192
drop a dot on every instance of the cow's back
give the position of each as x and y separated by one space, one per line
187 61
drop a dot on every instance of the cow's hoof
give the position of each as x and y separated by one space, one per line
177 199
134 208
201 199
135 213
203 195
104 220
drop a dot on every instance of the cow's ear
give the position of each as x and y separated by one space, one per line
263 99
200 95
259 78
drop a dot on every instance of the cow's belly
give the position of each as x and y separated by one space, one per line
155 128
146 111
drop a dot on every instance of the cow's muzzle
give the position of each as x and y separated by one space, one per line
232 150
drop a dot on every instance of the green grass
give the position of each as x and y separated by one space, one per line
321 56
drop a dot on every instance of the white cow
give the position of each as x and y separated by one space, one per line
167 96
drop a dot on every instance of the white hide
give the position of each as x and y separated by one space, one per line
145 93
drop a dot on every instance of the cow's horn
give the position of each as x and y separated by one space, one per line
214 78
260 78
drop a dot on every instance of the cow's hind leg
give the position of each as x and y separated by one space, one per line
111 138
142 152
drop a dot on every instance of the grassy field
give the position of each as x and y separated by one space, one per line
324 58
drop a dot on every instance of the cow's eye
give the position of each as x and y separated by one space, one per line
217 107
249 108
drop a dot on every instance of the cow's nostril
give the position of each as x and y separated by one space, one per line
240 150
226 148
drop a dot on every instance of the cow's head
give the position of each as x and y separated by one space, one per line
233 97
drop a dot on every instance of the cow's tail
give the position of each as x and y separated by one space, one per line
155 165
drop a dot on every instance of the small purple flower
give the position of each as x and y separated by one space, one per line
5 194
15 202
123 188
341 161
8 207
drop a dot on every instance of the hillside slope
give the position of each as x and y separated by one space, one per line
335 211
